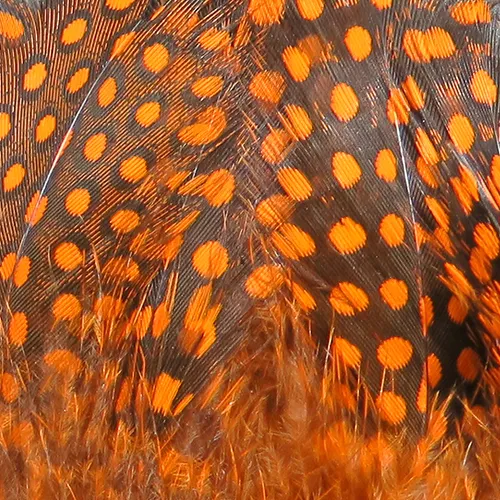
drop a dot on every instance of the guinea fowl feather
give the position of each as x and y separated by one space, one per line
226 222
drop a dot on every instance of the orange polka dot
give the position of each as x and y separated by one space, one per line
438 211
78 80
346 169
274 146
165 391
77 202
461 132
208 86
382 4
456 281
133 169
10 26
45 128
426 309
464 196
440 43
109 308
495 171
18 329
107 92
469 182
274 210
141 321
394 353
391 407
148 113
442 239
347 236
199 306
5 124
480 265
310 9
457 310
13 177
392 230
471 12
268 86
423 394
358 42
95 146
297 63
344 102
304 299
9 387
219 187
197 339
68 256
469 364
434 370
214 39
413 93
35 76
386 165
64 362
122 268
119 4
428 173
425 147
36 209
66 307
211 259
264 281
125 221
347 299
297 122
292 242
22 271
74 31
398 108
295 183
415 45
175 182
209 126
491 323
192 187
265 12
156 58
122 43
8 265
183 224
394 293
483 87
486 237
347 352
161 320
421 235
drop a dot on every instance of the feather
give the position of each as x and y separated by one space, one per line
171 167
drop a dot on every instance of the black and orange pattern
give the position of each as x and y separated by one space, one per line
169 165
